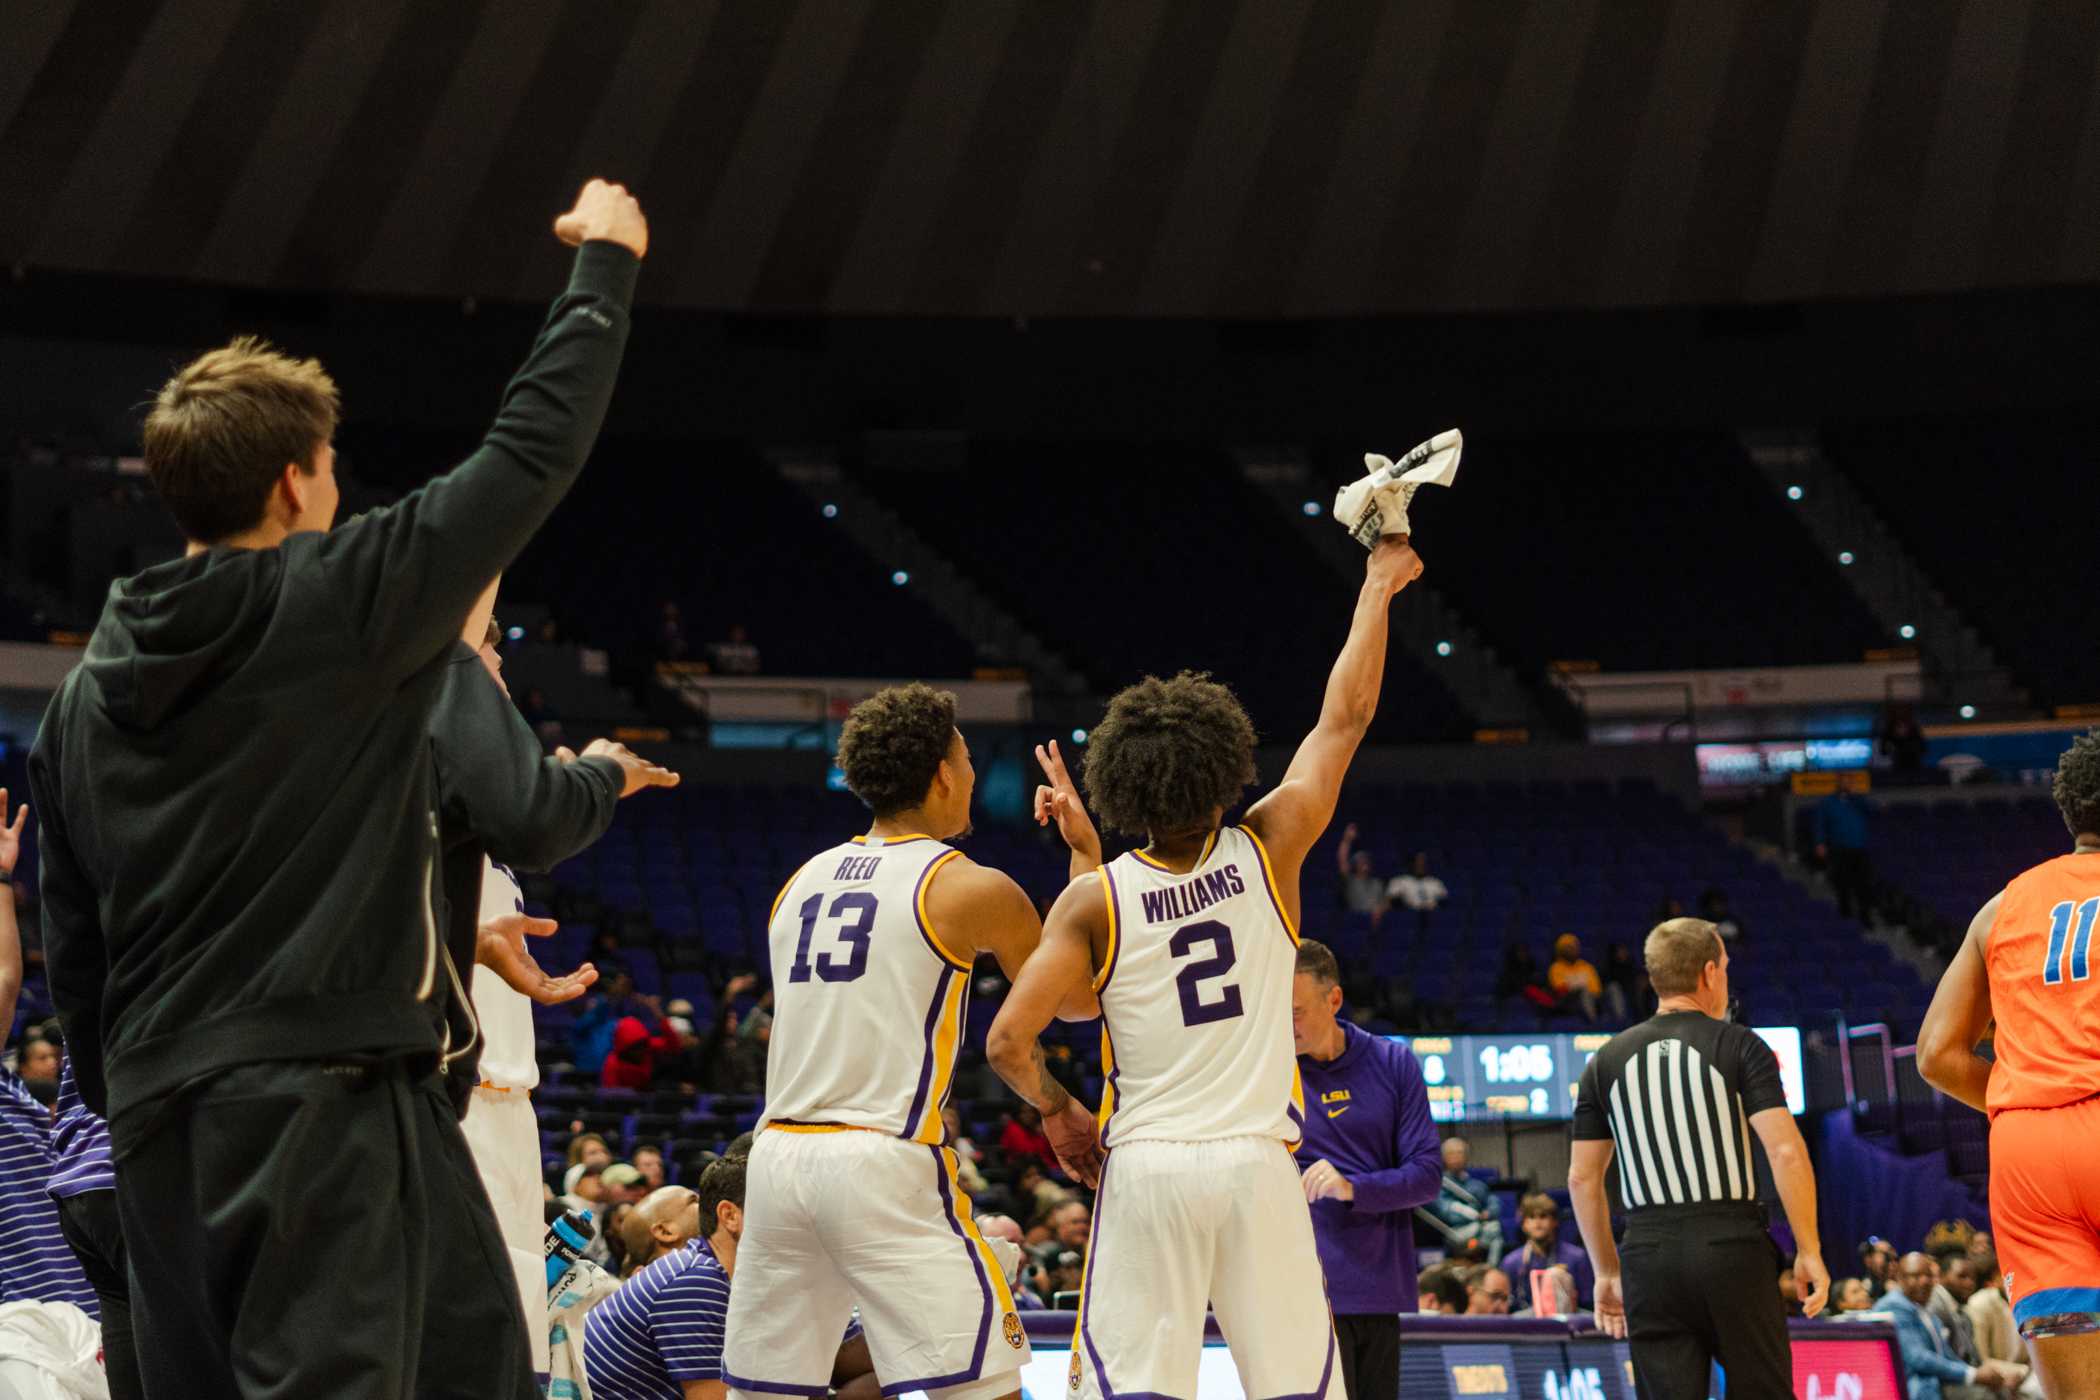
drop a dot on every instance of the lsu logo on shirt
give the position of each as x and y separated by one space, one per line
1336 1102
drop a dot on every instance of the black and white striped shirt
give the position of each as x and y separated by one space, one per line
1675 1094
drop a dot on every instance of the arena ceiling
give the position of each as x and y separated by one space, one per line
1208 158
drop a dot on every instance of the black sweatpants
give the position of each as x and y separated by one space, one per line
1702 1285
89 1223
308 1228
1370 1348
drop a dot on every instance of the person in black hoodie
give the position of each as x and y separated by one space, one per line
239 854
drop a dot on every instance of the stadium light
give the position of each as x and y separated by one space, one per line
1968 712
1794 493
900 578
1079 736
1311 507
1443 648
516 634
1906 631
1844 556
831 512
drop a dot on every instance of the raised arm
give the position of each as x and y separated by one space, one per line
1058 800
1061 968
76 956
1294 814
1959 1018
408 574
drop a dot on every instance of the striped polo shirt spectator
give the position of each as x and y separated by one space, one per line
79 1143
36 1265
662 1329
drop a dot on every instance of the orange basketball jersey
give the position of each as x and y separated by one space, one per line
2045 986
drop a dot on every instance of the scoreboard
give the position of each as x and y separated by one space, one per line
1473 1077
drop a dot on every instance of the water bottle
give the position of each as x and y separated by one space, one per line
567 1238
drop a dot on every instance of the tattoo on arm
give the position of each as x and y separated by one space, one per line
1051 1097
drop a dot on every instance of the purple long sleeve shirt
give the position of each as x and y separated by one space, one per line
1367 1113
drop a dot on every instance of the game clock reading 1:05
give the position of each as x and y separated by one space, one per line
1481 1076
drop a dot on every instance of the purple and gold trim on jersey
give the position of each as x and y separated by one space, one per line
885 842
998 1299
1115 931
1110 1093
937 1072
1081 1341
1210 843
918 905
1268 877
1296 1111
781 898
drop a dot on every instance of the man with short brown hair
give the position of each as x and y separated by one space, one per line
239 860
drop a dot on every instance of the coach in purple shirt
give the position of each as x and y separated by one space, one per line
1369 1157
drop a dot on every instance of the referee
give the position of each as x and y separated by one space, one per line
1676 1098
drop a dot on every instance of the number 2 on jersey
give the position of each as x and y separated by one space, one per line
1195 1011
2061 930
858 907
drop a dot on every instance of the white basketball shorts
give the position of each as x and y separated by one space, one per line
839 1218
1178 1225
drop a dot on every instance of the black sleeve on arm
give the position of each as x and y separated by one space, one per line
76 957
531 811
407 574
1591 1122
1759 1067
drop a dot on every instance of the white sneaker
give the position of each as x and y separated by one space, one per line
1376 504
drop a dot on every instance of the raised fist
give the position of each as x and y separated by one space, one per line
605 211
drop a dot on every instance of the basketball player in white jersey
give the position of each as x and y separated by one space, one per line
1190 945
851 1198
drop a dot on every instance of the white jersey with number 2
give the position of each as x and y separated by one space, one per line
1196 999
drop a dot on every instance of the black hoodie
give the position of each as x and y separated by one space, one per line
237 812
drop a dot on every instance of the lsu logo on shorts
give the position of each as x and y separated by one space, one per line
1072 1380
1015 1337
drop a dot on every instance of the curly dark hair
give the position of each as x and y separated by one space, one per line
894 742
1169 755
2077 789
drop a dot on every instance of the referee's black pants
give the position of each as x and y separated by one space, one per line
1702 1285
1369 1344
317 1228
89 1223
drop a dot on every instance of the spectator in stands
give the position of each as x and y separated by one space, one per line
1957 1286
1068 1226
624 1184
1929 1359
1543 1248
1573 979
1560 1300
1852 1295
1839 824
638 1039
734 655
582 1189
649 1161
1487 1291
660 1336
968 1160
1440 1289
591 1036
38 1058
1520 978
1418 891
1362 891
1022 1139
589 1149
671 644
1036 1193
1466 1207
662 1221
1903 743
1991 1320
1877 1265
1622 983
1713 907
